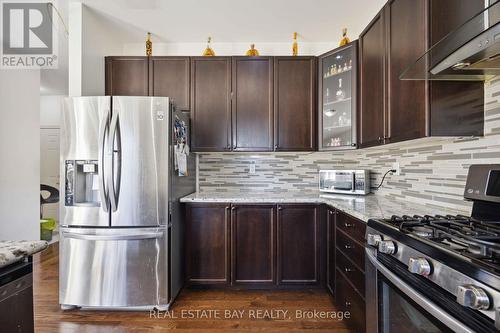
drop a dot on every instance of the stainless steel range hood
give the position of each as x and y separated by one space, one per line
469 53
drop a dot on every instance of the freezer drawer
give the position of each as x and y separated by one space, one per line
120 267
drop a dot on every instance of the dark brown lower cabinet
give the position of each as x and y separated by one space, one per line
299 244
278 246
253 239
330 250
207 244
350 265
348 299
255 245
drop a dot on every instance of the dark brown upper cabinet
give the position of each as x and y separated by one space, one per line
407 99
272 104
394 110
372 83
252 103
149 76
236 103
127 76
253 241
456 108
211 103
337 96
169 77
299 244
295 104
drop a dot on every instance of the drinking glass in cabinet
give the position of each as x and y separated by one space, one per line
338 95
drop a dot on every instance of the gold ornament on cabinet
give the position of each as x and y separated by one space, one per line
295 46
149 45
253 51
208 51
345 40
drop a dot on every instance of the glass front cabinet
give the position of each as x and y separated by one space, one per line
337 98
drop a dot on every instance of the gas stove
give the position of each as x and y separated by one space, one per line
449 264
476 240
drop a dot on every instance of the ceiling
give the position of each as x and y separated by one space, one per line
184 21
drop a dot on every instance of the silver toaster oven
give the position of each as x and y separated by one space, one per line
345 181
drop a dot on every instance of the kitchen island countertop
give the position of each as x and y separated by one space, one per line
13 251
361 207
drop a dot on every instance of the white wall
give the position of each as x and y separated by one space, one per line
75 49
50 110
20 151
228 49
94 35
55 81
101 36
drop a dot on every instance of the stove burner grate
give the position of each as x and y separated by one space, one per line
477 240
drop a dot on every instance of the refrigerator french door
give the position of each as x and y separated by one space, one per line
116 161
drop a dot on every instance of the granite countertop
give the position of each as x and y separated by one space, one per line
361 207
12 251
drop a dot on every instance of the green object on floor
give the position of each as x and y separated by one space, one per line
47 226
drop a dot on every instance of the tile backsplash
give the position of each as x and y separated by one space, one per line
433 170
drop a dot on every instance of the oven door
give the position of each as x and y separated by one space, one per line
395 304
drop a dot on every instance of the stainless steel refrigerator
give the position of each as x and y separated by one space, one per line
121 226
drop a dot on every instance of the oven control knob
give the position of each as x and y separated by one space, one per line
373 239
473 297
420 266
387 247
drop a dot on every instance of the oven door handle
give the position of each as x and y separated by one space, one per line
417 297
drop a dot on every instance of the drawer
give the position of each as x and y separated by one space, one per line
348 299
351 226
352 249
351 272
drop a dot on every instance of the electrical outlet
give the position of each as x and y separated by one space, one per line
395 166
251 169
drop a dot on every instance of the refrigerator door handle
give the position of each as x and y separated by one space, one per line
103 188
133 236
116 156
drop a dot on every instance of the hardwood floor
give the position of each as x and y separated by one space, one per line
50 319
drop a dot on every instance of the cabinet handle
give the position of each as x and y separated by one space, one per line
276 146
227 207
348 247
233 208
331 213
347 304
348 270
379 139
348 225
280 208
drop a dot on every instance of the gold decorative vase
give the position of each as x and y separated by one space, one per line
345 40
149 46
253 51
208 51
295 46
